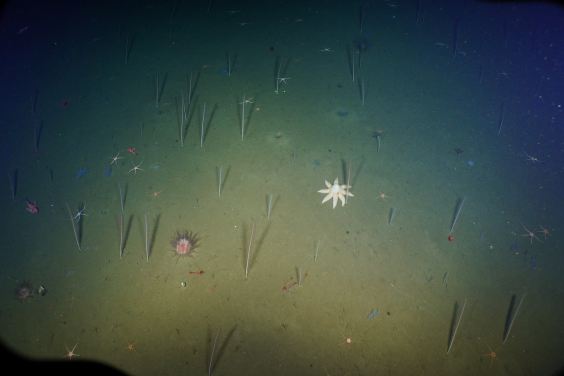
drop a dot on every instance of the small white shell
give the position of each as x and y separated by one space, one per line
183 284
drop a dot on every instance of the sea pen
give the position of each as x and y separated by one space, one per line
300 277
512 319
455 329
348 182
457 213
317 250
378 137
501 117
392 217
11 185
269 206
120 196
203 119
213 349
423 20
220 173
444 279
147 237
293 159
361 19
73 227
249 251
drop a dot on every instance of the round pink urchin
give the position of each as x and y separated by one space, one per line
184 244
23 291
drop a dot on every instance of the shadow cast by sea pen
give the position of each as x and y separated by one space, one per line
154 233
127 230
37 133
220 349
259 241
453 333
12 185
210 120
509 322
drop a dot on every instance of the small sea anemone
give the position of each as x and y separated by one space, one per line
184 244
23 291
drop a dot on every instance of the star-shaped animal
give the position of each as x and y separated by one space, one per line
335 191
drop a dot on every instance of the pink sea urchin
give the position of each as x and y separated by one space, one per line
23 291
184 244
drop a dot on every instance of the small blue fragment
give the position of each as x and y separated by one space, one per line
222 71
372 314
87 248
367 32
342 113
156 167
316 162
108 172
81 173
